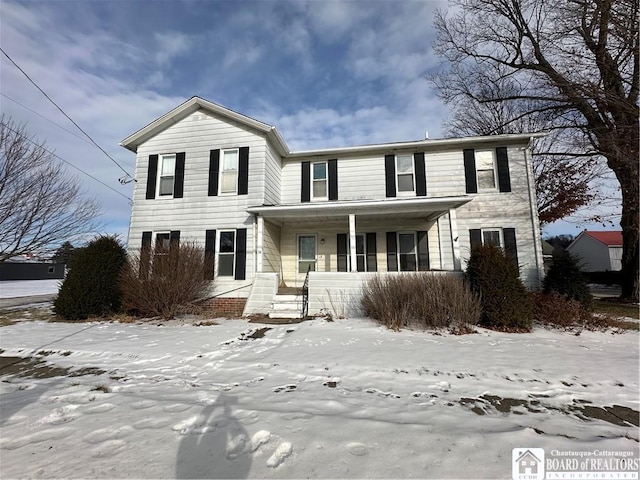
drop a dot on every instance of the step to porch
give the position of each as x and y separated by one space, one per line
286 306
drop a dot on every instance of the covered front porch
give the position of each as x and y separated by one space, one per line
357 236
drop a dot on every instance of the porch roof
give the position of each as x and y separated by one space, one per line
424 207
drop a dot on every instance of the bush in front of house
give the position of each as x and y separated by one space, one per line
420 300
564 277
91 286
494 276
165 283
557 310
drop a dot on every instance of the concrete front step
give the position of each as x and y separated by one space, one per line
286 306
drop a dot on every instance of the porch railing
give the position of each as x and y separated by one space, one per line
305 294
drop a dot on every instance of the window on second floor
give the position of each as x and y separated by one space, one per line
229 171
405 174
319 181
485 169
166 174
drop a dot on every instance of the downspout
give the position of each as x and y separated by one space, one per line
535 220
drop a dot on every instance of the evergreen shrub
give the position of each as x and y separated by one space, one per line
494 276
91 286
564 277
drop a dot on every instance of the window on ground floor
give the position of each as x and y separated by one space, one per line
307 252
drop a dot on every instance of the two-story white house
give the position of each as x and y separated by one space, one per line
272 217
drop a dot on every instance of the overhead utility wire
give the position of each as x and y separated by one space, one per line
67 162
122 180
45 118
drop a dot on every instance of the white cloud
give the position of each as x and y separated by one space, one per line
170 45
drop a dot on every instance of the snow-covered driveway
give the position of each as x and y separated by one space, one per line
344 399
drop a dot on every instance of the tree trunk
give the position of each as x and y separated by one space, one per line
630 226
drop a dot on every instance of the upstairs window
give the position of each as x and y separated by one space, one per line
485 169
166 175
319 181
229 171
405 174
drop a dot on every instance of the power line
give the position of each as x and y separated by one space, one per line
64 113
66 161
45 118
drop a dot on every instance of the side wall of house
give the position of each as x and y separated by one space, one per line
592 255
194 213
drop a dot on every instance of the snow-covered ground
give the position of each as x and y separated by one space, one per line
28 288
344 399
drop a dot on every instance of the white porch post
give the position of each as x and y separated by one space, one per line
455 241
352 242
259 241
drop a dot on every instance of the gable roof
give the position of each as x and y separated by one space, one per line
527 454
132 142
609 238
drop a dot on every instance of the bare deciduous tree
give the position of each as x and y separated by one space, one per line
568 176
575 59
40 205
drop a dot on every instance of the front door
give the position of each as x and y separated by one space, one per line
307 254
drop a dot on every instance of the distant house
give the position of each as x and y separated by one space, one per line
31 271
325 220
598 251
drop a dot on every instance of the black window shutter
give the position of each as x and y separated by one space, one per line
174 238
342 252
145 254
306 182
392 252
475 237
146 240
241 254
510 248
214 171
504 180
243 171
470 171
178 179
151 177
423 251
372 263
209 254
421 177
333 179
390 175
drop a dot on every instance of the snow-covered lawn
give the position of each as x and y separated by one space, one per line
344 399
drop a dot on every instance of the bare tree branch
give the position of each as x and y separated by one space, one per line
40 206
577 61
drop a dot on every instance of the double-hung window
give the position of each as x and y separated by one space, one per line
166 174
485 169
229 171
319 181
407 252
405 174
492 236
227 254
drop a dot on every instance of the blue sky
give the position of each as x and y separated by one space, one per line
326 74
